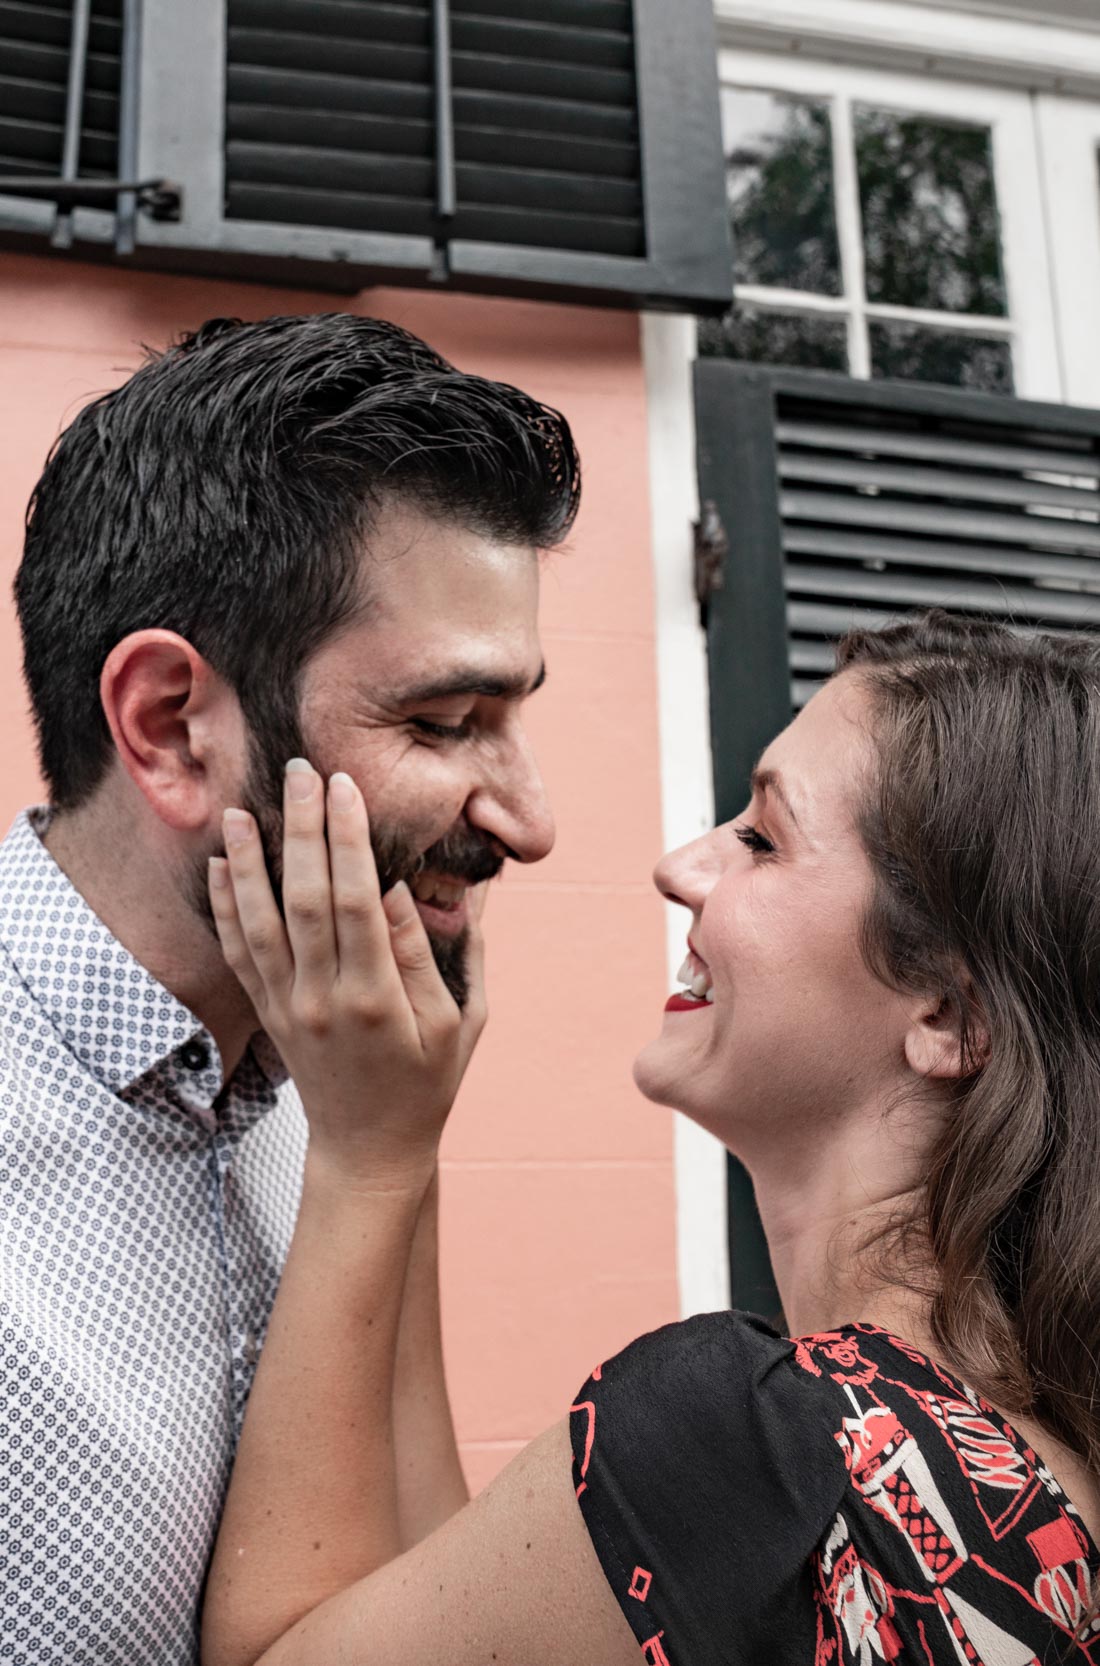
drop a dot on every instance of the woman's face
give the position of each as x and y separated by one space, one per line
794 1025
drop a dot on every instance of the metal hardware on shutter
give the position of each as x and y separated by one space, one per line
126 204
159 198
711 549
69 89
445 195
74 106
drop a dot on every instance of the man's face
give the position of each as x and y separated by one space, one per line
420 701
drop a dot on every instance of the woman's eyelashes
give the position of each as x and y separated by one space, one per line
754 840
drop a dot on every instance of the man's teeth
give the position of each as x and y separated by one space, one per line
444 893
697 981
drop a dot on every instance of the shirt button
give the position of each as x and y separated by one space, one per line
195 1055
250 1347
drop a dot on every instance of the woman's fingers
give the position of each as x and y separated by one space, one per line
307 892
260 921
427 993
475 1012
361 932
223 906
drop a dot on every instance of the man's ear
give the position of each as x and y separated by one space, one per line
176 724
935 1045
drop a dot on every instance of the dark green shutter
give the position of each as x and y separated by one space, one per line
568 149
848 503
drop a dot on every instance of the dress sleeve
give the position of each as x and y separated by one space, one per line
707 1475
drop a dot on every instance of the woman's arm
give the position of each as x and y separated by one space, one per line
430 1482
350 992
511 1580
351 996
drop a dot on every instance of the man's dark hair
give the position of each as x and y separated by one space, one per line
224 492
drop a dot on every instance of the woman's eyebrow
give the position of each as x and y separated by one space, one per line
469 680
769 780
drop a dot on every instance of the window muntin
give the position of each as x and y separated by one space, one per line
976 207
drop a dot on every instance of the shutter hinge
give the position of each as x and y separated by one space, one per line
711 548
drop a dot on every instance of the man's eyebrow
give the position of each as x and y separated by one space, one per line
468 680
768 780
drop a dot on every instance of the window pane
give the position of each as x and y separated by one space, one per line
813 343
779 183
912 353
930 231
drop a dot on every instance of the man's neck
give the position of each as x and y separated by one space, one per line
136 890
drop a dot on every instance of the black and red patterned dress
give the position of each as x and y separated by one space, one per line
835 1500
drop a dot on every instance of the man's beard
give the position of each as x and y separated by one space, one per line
462 854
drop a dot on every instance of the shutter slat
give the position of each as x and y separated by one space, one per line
358 132
1037 565
37 101
382 175
369 21
596 14
356 211
40 143
953 449
524 42
345 210
544 98
832 620
937 521
959 594
938 483
52 26
300 90
412 65
34 73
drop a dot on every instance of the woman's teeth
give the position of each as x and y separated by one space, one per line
695 979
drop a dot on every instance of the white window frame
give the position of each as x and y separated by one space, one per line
1030 323
1069 140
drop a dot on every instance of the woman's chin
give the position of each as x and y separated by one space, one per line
657 1078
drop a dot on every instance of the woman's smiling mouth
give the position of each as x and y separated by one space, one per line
698 992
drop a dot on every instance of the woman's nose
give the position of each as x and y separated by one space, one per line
686 875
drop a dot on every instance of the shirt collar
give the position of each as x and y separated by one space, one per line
107 1008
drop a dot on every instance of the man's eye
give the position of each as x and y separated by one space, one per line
441 731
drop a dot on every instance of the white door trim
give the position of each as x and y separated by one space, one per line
1069 139
668 347
897 34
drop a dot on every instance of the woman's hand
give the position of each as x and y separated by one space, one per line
348 989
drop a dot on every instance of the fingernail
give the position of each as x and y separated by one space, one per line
237 826
299 778
341 790
218 869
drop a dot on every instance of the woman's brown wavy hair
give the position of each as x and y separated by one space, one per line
982 824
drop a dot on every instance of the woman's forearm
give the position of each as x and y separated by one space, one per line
313 1501
430 1482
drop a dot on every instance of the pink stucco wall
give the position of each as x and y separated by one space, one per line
558 1193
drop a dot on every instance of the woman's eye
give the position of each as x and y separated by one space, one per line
754 840
441 731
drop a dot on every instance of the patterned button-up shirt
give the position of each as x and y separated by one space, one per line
145 1214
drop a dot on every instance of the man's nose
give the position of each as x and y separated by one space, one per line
513 806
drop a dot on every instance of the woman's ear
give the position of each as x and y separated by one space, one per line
948 1035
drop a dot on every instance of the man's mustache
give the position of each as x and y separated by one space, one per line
461 854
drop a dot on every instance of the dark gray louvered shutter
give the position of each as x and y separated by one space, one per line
69 85
34 73
562 148
847 503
